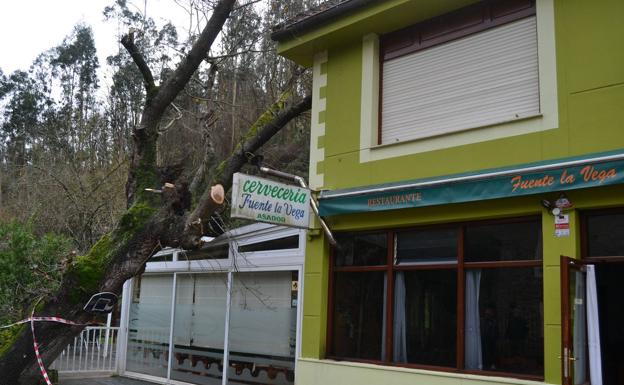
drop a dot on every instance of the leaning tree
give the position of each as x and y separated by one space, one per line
176 217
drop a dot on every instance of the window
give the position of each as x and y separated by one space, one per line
149 325
262 337
459 297
474 67
605 233
218 251
359 310
290 242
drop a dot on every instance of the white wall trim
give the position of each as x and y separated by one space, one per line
462 378
317 129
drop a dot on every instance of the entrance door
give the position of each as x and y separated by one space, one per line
603 246
574 302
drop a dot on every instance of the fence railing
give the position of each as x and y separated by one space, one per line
94 350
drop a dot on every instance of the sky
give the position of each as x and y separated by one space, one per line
29 27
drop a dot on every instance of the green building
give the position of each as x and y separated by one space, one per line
469 158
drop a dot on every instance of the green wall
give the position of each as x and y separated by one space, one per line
316 273
590 88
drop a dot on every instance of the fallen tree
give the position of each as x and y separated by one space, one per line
151 220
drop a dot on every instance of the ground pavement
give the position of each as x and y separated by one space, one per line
102 381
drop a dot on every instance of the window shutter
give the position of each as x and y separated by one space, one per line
482 79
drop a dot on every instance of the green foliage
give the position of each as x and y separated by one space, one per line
29 267
77 60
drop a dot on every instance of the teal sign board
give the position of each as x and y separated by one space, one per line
474 188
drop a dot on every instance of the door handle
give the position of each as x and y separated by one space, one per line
567 361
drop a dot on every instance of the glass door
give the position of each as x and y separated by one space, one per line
574 306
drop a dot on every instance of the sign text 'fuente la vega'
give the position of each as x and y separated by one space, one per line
264 200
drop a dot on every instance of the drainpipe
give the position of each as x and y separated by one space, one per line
301 182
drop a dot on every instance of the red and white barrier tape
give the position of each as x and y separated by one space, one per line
44 373
32 319
46 319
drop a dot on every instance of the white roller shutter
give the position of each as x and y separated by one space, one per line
482 79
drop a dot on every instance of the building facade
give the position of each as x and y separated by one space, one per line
469 157
226 314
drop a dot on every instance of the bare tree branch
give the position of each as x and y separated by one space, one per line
238 53
128 42
263 130
172 87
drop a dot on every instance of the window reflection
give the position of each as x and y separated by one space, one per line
434 271
519 241
605 235
425 317
504 330
359 314
428 246
361 249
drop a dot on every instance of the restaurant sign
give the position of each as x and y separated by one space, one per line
493 184
264 200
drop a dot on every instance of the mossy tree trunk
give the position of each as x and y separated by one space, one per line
150 221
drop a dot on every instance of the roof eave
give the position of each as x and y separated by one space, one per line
296 29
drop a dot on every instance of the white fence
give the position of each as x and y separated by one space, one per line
94 350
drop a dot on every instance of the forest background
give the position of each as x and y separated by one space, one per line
66 140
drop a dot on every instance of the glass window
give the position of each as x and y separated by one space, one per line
504 328
359 314
361 249
425 317
291 242
165 257
263 328
427 246
148 326
605 235
211 252
199 327
516 241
